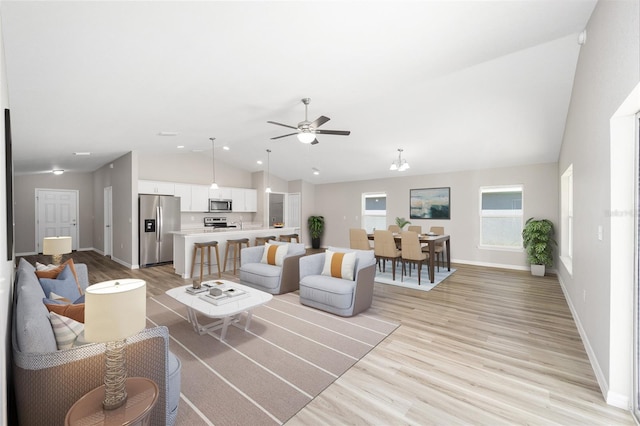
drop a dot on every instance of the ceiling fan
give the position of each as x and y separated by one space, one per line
307 130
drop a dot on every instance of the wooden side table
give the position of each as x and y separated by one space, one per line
142 395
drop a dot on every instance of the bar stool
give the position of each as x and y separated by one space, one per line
237 249
289 237
202 246
260 241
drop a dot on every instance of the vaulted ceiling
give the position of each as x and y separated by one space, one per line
458 85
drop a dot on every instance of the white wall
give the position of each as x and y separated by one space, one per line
6 267
191 167
340 204
608 70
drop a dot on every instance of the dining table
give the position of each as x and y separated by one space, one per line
431 241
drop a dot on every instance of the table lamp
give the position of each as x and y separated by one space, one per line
115 310
56 247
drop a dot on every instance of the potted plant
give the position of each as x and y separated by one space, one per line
316 228
537 239
402 222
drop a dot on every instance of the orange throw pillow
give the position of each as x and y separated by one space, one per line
75 312
53 273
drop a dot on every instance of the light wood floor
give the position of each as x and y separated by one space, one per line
486 346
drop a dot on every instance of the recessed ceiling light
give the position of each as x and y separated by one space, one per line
57 172
259 161
315 171
180 146
226 148
168 134
81 153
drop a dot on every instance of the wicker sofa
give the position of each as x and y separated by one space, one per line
49 381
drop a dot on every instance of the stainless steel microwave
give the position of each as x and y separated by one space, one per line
219 205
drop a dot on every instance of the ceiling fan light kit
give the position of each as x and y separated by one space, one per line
306 130
399 164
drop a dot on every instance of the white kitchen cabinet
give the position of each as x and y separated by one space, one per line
251 200
183 190
200 198
220 193
244 199
156 187
193 198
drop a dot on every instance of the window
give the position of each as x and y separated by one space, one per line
374 211
566 218
501 217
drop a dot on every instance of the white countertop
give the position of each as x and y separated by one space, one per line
193 231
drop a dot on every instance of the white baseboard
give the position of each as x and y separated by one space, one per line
611 398
491 265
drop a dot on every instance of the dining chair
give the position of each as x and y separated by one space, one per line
412 253
384 246
358 239
439 248
395 229
415 228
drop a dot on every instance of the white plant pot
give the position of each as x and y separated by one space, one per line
537 270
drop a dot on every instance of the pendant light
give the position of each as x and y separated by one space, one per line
268 171
400 164
214 185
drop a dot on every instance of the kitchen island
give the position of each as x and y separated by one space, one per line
183 242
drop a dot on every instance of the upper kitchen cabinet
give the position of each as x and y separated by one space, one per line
193 198
244 200
200 198
156 187
220 193
183 190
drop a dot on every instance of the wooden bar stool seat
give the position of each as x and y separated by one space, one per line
236 245
202 246
288 237
260 241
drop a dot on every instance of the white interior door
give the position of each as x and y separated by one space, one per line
57 215
108 221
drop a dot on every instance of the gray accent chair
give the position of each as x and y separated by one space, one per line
271 278
48 381
336 295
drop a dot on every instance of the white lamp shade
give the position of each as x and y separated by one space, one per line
56 245
115 310
306 137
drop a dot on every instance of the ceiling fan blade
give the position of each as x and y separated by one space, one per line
283 125
284 136
333 132
319 121
315 141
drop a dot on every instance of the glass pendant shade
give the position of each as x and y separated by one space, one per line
306 137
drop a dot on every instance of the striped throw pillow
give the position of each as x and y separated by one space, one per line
274 254
339 264
68 332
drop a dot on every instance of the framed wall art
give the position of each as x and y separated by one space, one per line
430 203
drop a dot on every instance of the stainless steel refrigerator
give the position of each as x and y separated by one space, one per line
159 216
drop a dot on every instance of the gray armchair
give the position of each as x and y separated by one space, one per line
336 295
271 278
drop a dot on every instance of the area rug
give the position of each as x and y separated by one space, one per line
412 281
267 374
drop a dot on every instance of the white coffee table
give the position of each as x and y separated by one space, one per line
228 313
